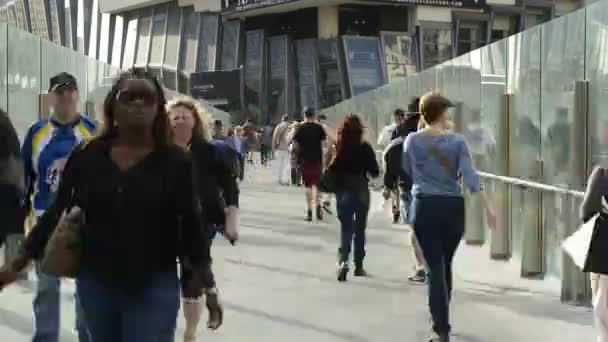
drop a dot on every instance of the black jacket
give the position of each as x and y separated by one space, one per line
395 176
217 169
138 221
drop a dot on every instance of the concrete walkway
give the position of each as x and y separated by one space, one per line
278 285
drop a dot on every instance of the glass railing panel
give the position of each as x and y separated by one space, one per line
24 81
563 63
597 75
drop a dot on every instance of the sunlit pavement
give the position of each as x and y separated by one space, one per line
278 285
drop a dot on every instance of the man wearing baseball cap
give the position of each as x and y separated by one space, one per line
46 149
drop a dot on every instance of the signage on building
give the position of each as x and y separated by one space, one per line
223 87
242 5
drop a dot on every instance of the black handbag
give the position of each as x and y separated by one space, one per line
328 181
597 255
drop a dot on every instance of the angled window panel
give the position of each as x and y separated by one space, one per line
143 38
83 29
54 26
130 43
21 15
69 23
364 64
207 48
94 44
307 71
231 39
105 38
189 44
331 81
118 41
279 87
172 46
38 18
255 65
158 35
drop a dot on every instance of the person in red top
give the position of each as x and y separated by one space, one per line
309 140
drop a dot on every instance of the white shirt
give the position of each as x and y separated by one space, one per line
385 136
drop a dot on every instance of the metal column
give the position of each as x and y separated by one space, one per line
500 243
575 284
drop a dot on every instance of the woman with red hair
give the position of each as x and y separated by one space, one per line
354 162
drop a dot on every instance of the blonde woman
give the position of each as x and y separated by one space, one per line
216 169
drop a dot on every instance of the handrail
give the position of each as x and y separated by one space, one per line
531 185
526 184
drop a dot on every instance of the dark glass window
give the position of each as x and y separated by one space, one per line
280 78
207 44
504 26
230 44
330 77
254 72
173 30
536 16
307 73
436 45
159 26
143 37
187 57
364 62
471 36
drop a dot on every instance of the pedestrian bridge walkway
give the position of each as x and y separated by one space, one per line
278 285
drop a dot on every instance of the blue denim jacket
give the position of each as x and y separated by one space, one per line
429 176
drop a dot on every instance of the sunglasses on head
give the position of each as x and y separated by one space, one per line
62 88
136 95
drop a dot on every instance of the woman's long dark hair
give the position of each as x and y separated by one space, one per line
9 140
350 135
161 129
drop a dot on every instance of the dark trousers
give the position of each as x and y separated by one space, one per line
352 213
439 227
296 176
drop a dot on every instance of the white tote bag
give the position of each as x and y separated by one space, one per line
577 245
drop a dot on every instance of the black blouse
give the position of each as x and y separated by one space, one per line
138 221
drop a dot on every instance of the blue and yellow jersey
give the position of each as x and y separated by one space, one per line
46 149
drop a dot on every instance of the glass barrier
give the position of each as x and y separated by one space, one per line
532 108
28 62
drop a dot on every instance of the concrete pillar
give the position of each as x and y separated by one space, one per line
328 22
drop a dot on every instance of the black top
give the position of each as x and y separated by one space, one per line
310 137
137 221
394 174
217 169
359 161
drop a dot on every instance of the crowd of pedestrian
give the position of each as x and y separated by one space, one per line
163 176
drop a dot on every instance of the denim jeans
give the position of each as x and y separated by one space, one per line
115 315
47 316
352 213
439 227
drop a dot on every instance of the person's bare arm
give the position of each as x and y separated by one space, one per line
331 135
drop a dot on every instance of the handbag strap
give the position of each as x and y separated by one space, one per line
443 161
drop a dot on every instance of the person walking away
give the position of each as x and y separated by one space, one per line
435 159
280 145
384 139
12 183
135 188
296 169
353 164
324 198
216 171
309 139
266 144
396 180
47 146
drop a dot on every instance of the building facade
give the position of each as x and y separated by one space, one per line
294 53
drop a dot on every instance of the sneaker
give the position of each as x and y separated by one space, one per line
439 337
342 271
419 277
319 213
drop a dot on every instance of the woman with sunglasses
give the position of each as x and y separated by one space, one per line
135 188
216 170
